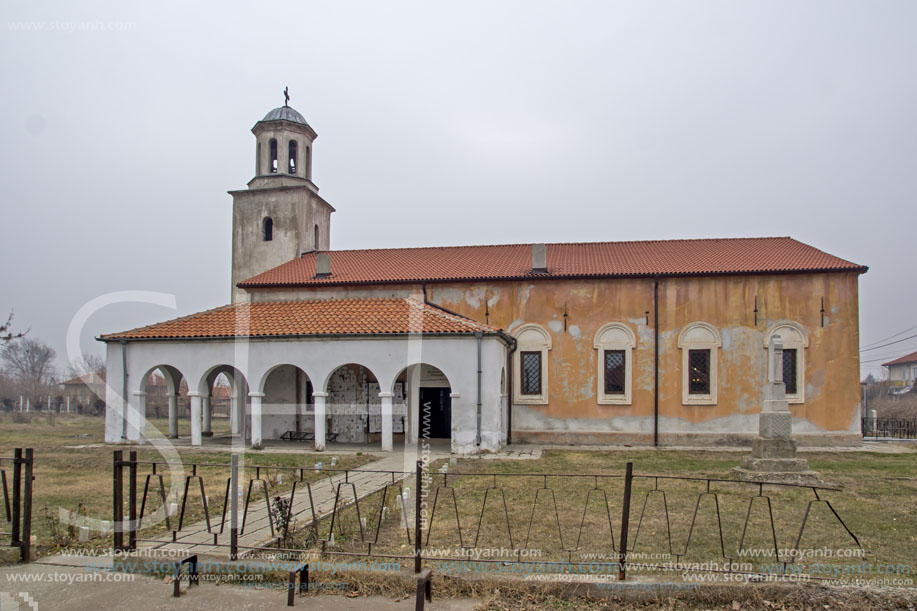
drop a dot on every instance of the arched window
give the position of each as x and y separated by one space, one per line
530 365
267 229
699 342
315 237
291 167
615 343
273 160
795 340
308 164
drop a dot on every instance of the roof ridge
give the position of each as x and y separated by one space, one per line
587 243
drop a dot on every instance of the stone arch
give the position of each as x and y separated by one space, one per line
615 344
533 343
424 405
156 400
795 340
700 333
287 394
352 399
292 157
699 343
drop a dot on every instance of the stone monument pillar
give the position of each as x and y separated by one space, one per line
773 452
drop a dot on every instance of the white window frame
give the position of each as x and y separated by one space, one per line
531 338
793 336
615 336
699 336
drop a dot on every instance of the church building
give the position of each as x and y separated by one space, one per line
651 342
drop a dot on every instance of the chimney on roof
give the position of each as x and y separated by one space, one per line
539 259
322 265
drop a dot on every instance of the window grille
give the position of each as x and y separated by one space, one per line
699 372
789 371
531 373
614 372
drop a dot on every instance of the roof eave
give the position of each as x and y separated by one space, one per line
245 284
469 334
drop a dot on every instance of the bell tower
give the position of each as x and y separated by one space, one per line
280 215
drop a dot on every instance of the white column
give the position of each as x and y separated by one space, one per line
173 415
195 417
386 398
135 416
256 417
412 380
206 409
319 398
68 404
234 412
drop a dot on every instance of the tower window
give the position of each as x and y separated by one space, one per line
315 238
267 229
273 163
292 156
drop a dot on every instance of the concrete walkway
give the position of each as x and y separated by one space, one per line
393 468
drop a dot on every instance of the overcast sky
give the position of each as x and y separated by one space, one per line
124 124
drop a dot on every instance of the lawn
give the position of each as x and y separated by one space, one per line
552 518
577 518
73 472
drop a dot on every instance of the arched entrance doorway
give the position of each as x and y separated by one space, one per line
287 410
223 392
423 393
164 394
353 405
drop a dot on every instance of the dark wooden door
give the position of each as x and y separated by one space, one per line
435 413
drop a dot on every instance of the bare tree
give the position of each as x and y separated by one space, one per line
87 363
6 335
31 363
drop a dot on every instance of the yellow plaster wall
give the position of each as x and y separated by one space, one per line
726 302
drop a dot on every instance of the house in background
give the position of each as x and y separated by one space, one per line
84 394
902 372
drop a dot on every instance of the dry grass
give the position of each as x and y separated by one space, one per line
73 472
876 504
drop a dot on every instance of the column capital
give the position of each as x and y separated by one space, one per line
194 393
386 395
256 395
322 395
455 395
139 393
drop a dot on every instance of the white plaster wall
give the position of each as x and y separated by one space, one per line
456 357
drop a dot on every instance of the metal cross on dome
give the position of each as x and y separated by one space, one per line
286 96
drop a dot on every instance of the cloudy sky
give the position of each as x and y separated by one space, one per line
124 124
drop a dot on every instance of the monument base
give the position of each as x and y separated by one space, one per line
803 477
774 460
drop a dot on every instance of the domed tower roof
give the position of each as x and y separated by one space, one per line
285 113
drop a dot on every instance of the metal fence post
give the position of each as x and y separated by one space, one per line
132 502
25 552
417 525
625 521
17 497
234 508
118 501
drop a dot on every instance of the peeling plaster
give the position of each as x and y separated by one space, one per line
575 332
513 325
556 326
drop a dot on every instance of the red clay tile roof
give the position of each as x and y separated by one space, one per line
595 259
309 318
907 358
